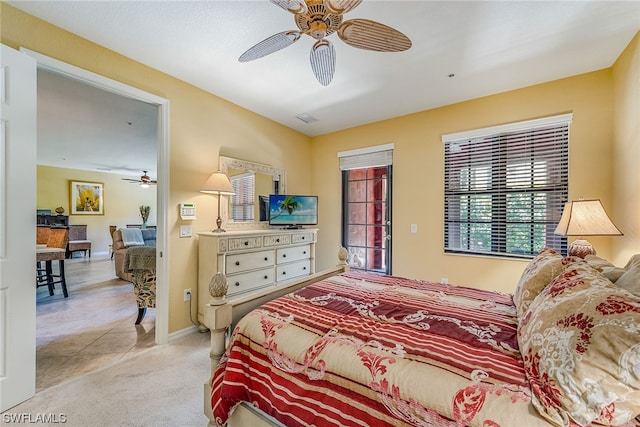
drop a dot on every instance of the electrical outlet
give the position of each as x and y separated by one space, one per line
187 294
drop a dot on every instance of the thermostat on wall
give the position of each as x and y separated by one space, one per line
187 211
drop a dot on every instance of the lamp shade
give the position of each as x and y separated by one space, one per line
218 183
586 218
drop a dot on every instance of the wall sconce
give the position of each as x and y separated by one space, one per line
218 183
585 218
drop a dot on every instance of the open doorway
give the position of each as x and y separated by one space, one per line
160 106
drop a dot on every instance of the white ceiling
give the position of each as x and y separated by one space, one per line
488 47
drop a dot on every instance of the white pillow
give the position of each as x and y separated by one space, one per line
630 280
132 237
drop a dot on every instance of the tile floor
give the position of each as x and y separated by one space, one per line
92 328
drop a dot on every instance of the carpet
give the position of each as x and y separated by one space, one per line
161 386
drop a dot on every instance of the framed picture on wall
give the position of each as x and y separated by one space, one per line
86 198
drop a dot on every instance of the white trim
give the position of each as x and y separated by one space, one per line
162 199
91 78
366 150
510 127
183 333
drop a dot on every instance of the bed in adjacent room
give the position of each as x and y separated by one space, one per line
363 349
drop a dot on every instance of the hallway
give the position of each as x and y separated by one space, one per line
92 328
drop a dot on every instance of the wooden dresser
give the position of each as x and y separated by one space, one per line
253 259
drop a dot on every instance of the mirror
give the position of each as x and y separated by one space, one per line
253 180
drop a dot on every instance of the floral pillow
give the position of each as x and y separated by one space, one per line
535 277
580 342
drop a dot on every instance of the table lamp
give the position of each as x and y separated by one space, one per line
218 183
585 218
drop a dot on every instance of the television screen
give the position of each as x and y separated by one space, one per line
293 210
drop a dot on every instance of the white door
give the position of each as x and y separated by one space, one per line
17 227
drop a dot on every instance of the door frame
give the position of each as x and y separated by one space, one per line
162 195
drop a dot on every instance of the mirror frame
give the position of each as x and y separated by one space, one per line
280 175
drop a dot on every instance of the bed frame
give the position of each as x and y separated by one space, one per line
220 318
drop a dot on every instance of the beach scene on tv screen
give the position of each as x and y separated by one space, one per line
287 210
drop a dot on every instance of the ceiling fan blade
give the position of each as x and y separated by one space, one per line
323 61
339 7
371 35
294 6
270 45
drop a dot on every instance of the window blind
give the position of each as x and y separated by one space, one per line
243 202
504 192
369 157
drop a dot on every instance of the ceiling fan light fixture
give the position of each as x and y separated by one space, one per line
321 18
318 30
144 185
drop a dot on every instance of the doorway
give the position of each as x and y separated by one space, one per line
366 207
162 105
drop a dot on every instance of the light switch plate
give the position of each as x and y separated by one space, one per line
185 231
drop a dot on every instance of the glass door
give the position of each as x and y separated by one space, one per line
366 218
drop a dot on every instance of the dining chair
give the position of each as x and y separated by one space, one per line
54 251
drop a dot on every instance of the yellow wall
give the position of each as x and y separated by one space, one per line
603 157
121 202
418 170
202 127
626 151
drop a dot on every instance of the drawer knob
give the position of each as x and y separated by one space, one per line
302 237
284 255
237 283
277 240
284 272
266 277
266 258
246 243
304 268
237 262
304 252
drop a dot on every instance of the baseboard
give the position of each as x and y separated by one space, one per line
182 333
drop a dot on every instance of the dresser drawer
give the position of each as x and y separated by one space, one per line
245 282
277 240
302 238
293 270
249 261
295 253
244 243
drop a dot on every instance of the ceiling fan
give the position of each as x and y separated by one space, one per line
144 181
321 18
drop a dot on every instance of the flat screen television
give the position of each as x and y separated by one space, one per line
292 211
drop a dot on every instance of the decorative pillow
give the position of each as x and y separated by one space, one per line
609 270
630 280
580 342
535 277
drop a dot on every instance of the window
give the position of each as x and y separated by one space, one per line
505 188
243 202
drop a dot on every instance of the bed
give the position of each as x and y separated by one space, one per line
348 348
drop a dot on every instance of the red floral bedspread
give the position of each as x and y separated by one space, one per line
362 349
